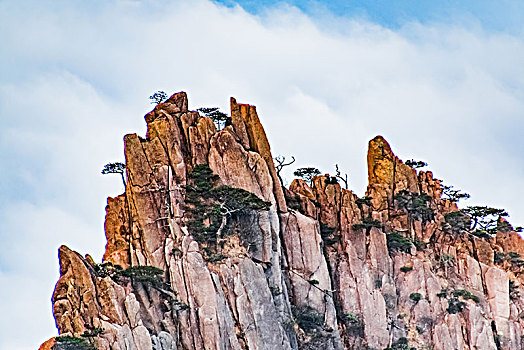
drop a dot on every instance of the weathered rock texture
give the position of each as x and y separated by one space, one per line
298 262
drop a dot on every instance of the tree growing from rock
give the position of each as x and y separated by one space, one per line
339 176
307 174
415 164
120 168
484 219
218 117
280 163
158 97
453 195
145 274
115 168
210 207
367 224
398 243
415 204
457 221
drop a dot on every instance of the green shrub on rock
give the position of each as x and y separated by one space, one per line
398 243
466 295
309 319
146 274
72 343
416 297
367 223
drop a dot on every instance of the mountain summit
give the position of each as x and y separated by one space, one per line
206 249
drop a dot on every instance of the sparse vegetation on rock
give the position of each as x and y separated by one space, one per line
398 243
364 201
309 319
453 195
72 343
512 258
240 271
415 204
513 290
329 234
354 324
416 297
367 223
406 268
93 332
466 295
400 344
455 305
146 274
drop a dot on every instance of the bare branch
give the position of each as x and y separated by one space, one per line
280 163
342 178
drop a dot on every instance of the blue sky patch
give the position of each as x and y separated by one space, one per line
502 16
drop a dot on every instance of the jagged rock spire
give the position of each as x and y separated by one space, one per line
320 269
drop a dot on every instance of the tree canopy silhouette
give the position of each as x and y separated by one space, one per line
220 118
158 97
307 173
115 168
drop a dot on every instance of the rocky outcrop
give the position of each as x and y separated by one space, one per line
318 268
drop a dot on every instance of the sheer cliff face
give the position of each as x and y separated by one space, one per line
300 275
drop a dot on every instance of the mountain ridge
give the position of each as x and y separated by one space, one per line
321 268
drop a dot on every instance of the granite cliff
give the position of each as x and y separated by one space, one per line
315 267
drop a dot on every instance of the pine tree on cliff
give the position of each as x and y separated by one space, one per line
307 174
120 168
210 207
158 97
220 118
115 168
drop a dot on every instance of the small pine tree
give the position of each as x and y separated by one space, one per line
453 195
115 168
307 174
484 220
415 164
457 221
220 118
415 204
158 97
398 243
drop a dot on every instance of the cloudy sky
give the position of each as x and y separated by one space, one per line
442 81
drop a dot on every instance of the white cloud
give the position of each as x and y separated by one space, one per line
74 78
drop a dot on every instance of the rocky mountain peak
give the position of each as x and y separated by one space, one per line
206 250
